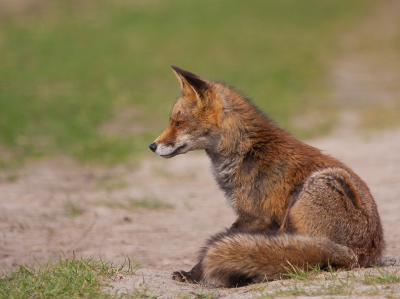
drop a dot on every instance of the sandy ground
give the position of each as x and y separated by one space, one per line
58 205
146 283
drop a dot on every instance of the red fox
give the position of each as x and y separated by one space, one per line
295 206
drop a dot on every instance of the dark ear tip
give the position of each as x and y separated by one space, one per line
175 68
184 73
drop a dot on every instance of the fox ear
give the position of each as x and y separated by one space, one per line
190 83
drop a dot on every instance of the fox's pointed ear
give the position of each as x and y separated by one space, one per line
190 83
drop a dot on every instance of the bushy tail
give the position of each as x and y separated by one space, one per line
235 259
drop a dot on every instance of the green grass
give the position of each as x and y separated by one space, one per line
66 278
383 276
73 209
380 117
69 69
303 274
202 295
313 281
132 204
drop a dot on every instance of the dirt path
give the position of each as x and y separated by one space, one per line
58 206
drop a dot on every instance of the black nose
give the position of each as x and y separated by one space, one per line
153 146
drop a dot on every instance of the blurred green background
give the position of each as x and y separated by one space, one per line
92 79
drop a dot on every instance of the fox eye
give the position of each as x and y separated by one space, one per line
178 123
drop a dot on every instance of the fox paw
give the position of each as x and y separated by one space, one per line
183 276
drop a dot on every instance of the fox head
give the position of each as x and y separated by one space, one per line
194 123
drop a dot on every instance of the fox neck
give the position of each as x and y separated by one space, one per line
244 131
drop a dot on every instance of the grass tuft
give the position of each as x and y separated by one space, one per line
302 273
383 276
73 209
132 204
205 295
66 278
149 203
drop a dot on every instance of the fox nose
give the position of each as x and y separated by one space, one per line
153 146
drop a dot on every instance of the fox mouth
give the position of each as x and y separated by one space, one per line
177 151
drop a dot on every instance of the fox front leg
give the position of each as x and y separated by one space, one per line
193 276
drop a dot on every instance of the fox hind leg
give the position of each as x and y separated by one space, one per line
336 205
